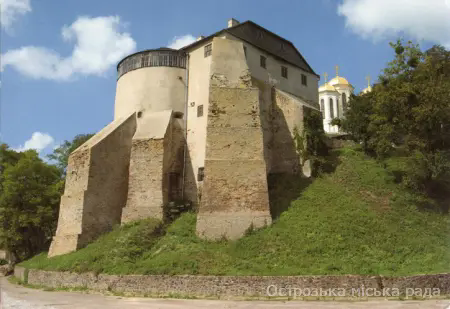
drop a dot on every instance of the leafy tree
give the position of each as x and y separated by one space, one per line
357 118
409 108
7 157
29 203
61 154
311 144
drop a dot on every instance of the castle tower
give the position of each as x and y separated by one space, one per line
204 124
154 84
135 161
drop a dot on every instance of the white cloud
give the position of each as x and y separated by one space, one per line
181 41
11 10
38 141
99 44
418 19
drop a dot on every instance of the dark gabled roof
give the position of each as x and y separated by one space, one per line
264 39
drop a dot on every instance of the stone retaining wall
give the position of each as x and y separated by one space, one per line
226 286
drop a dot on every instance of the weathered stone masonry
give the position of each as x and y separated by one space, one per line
208 109
230 286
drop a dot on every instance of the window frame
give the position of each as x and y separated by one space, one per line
200 173
304 80
263 61
284 71
322 107
199 110
207 49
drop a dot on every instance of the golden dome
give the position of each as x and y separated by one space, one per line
338 80
367 90
326 87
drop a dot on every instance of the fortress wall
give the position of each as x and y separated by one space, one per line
287 114
157 151
198 94
349 287
96 187
235 195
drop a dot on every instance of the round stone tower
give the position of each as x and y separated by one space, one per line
151 81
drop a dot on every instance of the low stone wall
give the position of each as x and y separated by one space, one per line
232 286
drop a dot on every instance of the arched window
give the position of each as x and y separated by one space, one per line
331 109
337 110
344 102
322 107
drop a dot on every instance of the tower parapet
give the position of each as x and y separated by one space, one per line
151 81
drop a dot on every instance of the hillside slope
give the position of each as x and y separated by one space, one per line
354 220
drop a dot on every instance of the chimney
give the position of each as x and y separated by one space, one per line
200 38
232 22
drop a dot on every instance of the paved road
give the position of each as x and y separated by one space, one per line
17 297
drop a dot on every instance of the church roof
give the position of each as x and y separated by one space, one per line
326 87
339 80
266 40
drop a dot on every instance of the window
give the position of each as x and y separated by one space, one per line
304 80
336 112
200 110
262 61
331 109
245 51
322 107
208 50
200 173
284 72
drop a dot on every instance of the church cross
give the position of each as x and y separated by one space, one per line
337 70
326 77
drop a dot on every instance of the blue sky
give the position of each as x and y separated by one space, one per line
58 57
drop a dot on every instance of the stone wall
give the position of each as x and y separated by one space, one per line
156 152
234 193
226 286
96 187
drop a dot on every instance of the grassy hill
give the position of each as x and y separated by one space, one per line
354 220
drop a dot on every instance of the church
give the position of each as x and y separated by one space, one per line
333 98
207 123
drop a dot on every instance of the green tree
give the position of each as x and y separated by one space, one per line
410 109
311 144
357 118
29 203
7 157
61 154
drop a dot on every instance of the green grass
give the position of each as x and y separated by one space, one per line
355 220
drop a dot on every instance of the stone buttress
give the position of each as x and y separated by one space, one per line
235 194
96 187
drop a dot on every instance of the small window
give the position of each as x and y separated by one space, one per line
322 107
304 80
200 110
262 61
200 173
245 51
284 72
331 109
208 50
